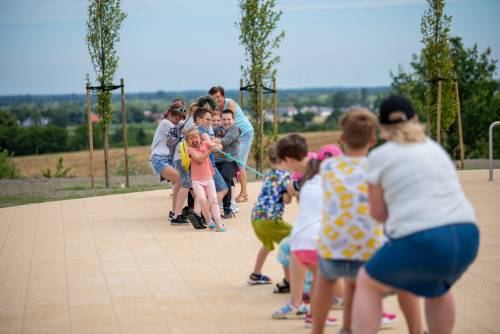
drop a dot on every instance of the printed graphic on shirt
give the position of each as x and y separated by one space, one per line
348 232
270 204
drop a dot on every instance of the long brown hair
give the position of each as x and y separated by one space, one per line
312 169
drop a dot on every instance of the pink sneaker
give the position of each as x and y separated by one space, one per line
387 320
330 321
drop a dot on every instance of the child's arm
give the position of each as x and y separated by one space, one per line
199 157
378 208
231 135
287 198
206 137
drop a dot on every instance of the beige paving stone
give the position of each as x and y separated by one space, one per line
46 318
159 328
52 293
85 292
141 311
96 316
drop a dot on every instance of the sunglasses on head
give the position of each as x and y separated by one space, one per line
180 110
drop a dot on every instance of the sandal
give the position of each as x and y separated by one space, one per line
242 198
282 287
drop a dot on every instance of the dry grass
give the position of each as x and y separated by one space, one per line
78 162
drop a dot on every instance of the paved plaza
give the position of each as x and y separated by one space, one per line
113 264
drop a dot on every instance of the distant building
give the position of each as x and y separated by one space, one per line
30 122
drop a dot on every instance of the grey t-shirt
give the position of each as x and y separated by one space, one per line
230 140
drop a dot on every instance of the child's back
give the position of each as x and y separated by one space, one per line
270 205
348 231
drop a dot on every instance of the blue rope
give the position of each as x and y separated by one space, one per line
228 155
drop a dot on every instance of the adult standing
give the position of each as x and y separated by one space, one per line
246 137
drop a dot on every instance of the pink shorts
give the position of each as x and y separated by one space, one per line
307 258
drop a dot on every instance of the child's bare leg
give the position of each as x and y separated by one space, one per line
220 196
181 197
259 261
286 273
297 279
243 182
337 288
349 289
440 313
410 305
367 304
321 301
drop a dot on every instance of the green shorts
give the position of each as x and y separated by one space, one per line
271 232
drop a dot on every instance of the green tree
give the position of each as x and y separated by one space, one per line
105 18
258 36
7 119
479 96
8 169
80 138
435 29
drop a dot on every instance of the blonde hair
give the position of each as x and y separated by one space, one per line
192 108
404 133
188 133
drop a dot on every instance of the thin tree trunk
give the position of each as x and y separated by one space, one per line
275 111
438 115
261 129
91 138
106 155
460 133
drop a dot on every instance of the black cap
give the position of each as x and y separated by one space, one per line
395 109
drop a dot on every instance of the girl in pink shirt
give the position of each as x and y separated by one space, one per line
202 173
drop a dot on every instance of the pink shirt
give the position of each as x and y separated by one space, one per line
204 169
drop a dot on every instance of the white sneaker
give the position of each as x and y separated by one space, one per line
234 207
288 311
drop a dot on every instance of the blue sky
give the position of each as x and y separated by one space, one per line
193 44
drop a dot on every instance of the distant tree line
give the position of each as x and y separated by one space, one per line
18 140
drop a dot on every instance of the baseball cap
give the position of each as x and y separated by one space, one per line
395 109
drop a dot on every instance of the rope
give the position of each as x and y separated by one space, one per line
228 155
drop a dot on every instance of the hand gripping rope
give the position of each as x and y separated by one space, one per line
228 155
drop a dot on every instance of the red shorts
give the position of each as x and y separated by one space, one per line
308 258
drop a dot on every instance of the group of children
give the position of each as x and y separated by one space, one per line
392 221
195 148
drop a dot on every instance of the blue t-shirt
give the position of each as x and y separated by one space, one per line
202 130
270 204
242 121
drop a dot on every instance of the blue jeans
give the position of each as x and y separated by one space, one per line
158 163
246 140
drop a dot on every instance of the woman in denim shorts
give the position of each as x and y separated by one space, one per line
161 159
433 238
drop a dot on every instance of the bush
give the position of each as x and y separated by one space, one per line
60 170
8 169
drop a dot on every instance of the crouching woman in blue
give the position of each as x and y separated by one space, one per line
161 160
433 238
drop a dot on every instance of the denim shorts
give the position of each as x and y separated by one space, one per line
426 263
158 163
220 184
185 175
246 140
334 269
